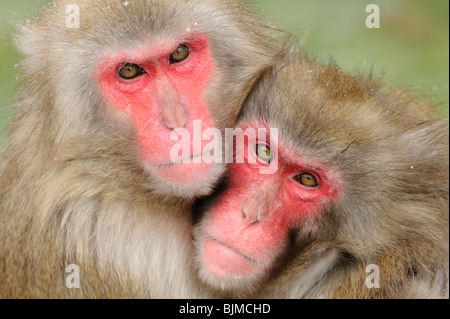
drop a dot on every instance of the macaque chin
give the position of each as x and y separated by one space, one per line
352 184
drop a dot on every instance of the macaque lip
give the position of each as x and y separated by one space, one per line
227 246
225 262
171 163
183 174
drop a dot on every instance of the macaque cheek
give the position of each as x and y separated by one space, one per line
231 248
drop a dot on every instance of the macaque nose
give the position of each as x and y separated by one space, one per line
251 216
257 207
174 116
173 111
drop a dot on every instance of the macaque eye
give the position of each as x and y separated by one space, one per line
130 71
180 54
264 153
306 179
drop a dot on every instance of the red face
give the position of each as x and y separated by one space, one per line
247 228
161 87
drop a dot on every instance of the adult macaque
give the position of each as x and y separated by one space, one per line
356 206
87 179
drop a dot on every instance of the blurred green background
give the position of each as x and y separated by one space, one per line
411 48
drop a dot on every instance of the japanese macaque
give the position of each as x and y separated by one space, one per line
348 198
92 201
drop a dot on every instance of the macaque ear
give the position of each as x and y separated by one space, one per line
28 41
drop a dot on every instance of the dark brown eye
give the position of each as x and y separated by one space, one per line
180 54
306 179
130 71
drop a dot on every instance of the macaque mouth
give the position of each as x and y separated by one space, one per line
185 160
234 250
224 262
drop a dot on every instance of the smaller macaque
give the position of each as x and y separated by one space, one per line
359 182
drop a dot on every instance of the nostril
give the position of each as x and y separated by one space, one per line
249 219
244 215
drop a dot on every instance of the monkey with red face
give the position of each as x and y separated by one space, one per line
87 177
358 180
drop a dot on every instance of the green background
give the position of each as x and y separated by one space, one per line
410 49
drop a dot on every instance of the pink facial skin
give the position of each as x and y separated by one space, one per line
247 228
165 97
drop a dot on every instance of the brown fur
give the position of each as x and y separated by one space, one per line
72 190
392 153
